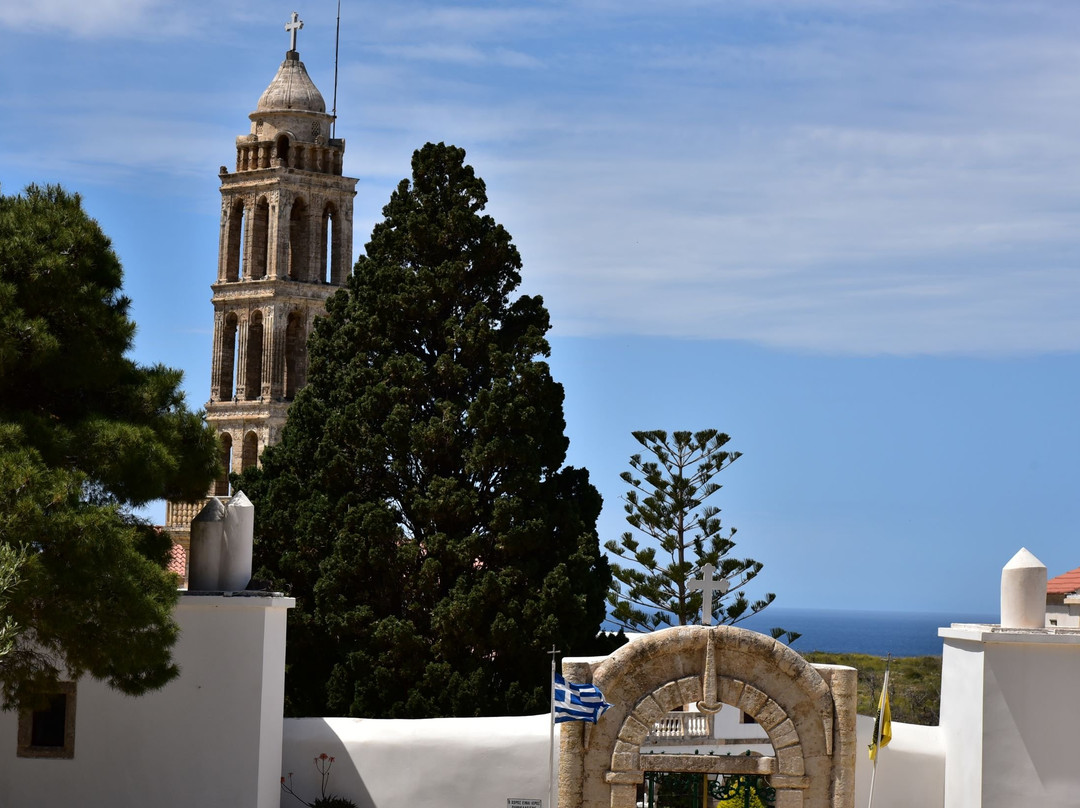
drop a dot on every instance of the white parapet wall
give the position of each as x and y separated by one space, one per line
910 770
1009 716
484 762
445 762
212 737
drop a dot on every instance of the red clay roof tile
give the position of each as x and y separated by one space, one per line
1065 583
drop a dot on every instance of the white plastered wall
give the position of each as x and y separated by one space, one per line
448 762
910 771
210 737
961 721
1010 716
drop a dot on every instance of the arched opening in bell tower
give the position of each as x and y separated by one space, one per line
253 374
221 485
298 242
249 455
227 358
281 150
329 257
234 240
294 355
260 232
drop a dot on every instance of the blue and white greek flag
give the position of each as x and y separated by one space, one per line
577 702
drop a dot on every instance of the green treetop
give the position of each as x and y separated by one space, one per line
417 505
86 434
666 502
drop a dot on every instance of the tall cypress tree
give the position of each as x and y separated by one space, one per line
417 505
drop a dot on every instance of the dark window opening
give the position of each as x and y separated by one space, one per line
47 725
49 730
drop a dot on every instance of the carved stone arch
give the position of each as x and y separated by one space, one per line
221 484
225 355
232 238
781 730
249 453
253 356
807 711
295 354
282 145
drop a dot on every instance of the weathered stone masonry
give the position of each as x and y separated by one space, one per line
807 710
285 246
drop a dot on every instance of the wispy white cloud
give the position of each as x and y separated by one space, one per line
470 21
105 19
460 54
800 173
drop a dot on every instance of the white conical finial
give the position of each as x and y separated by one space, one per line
239 542
207 547
1023 592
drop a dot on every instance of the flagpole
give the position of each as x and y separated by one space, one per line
551 738
880 728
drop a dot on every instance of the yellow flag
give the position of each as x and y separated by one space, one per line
884 720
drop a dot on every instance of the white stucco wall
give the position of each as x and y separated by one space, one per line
211 737
449 762
910 770
1065 615
1009 717
961 722
483 761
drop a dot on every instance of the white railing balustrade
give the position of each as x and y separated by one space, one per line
681 727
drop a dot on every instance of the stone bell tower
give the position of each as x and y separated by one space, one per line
285 247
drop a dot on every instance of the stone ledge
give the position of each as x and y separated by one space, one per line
709 764
994 634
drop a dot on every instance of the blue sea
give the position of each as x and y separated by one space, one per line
901 634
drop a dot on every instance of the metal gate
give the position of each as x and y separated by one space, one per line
685 790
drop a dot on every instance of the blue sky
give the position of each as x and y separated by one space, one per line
844 233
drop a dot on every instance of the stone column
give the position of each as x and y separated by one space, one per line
217 349
844 685
279 234
789 798
223 241
267 352
248 246
275 350
316 244
624 795
345 252
572 745
240 382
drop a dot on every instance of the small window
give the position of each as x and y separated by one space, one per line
1053 621
49 731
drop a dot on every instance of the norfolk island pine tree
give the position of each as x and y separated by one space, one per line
667 503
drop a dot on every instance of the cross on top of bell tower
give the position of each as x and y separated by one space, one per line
292 27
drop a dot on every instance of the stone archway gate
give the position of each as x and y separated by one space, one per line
807 710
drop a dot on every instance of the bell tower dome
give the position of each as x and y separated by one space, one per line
285 247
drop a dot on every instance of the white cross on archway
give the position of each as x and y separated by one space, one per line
293 27
708 587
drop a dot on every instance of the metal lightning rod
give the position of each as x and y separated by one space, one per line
337 41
